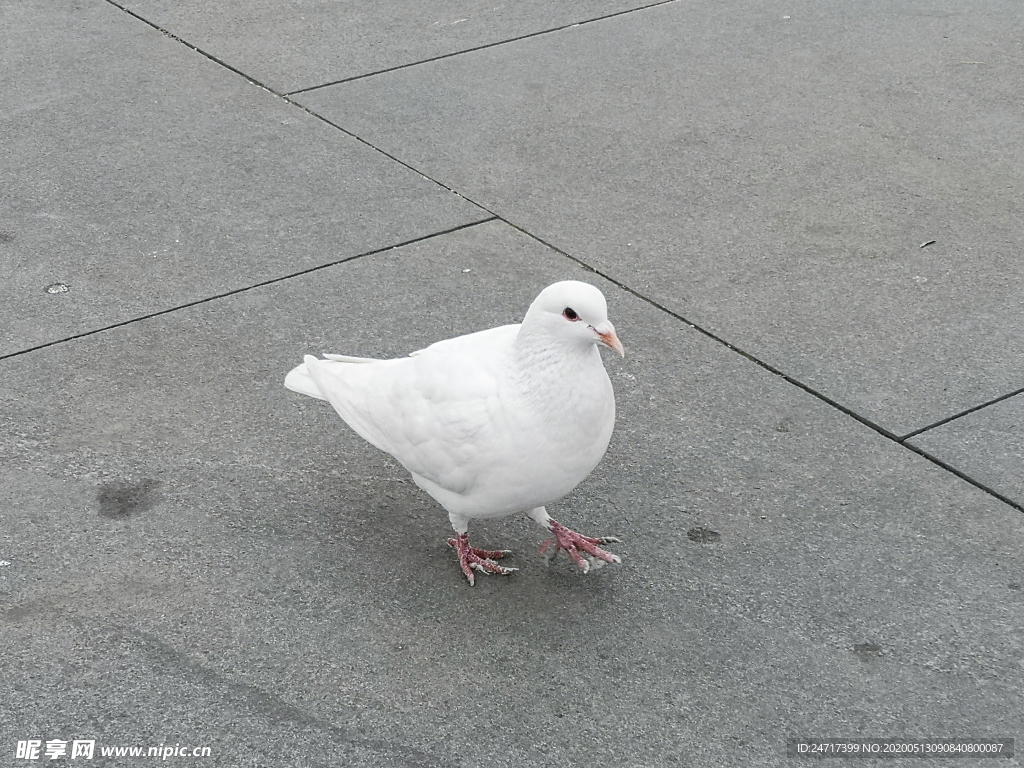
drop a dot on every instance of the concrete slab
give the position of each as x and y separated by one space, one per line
987 445
313 42
202 557
768 171
144 176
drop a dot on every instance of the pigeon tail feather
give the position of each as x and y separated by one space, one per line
351 359
299 380
325 376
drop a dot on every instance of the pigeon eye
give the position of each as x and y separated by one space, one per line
570 314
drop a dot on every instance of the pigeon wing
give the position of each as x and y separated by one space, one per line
438 412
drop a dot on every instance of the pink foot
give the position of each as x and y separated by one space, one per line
473 559
573 542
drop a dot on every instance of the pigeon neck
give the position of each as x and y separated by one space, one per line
537 349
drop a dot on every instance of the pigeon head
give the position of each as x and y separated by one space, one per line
572 310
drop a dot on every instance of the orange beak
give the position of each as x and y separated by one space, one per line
606 333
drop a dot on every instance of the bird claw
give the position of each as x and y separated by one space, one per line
582 550
482 560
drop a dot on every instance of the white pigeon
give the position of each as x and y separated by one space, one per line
492 423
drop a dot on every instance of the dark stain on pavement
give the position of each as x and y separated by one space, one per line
17 613
867 651
703 535
6 237
120 500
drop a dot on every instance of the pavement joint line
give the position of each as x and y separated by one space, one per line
1019 506
483 47
195 48
960 415
267 88
389 156
307 110
246 288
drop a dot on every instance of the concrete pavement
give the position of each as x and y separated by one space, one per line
817 461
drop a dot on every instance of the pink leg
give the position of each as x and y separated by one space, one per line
573 542
473 559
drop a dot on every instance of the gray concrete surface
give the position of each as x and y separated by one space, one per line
193 555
